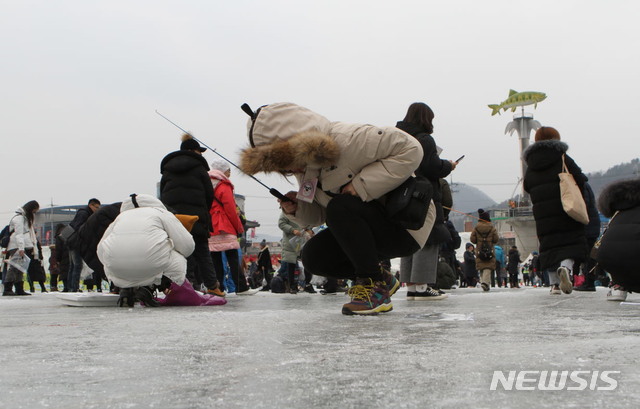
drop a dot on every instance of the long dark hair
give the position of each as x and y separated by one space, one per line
420 114
28 208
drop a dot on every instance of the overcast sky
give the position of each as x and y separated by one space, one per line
81 81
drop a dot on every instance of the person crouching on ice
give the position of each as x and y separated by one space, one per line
144 249
345 171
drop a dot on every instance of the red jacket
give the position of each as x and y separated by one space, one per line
224 216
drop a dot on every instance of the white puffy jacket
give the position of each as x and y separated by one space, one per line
143 243
23 236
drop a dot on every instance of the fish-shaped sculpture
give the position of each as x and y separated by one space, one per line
518 99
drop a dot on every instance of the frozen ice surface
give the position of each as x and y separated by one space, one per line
298 351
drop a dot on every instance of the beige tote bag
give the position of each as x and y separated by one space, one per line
572 200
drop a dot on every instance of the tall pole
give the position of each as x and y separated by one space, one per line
523 125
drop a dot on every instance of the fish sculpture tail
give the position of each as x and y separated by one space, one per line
495 108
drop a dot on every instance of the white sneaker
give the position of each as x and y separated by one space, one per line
555 290
616 293
250 291
565 280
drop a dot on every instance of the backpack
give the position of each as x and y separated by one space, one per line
277 285
5 236
485 250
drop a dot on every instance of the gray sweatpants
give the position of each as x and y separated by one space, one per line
421 267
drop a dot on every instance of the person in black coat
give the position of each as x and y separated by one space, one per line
512 266
620 243
62 260
265 267
469 266
418 123
90 234
185 188
75 258
563 242
419 271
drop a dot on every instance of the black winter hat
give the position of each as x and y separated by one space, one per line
484 215
190 144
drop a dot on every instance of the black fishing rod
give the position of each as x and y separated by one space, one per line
273 191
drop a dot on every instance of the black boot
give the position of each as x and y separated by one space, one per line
126 298
42 287
8 290
20 288
145 295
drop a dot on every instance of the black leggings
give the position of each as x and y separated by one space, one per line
358 237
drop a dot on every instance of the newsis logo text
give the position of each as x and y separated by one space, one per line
554 380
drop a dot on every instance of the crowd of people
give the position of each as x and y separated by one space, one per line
188 238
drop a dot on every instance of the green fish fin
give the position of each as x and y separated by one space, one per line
495 108
512 92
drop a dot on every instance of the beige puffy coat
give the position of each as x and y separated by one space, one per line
375 160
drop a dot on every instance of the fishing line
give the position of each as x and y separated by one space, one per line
273 191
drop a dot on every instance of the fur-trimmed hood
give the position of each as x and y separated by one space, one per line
306 149
286 136
543 154
621 195
559 146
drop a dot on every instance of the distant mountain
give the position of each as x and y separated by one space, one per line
599 180
469 199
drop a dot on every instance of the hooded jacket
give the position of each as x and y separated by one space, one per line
560 236
375 160
185 188
22 236
143 243
621 241
514 261
484 231
224 214
290 252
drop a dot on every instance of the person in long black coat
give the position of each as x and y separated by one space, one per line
469 266
90 234
563 243
512 266
185 188
620 243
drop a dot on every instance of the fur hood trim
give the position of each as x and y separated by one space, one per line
549 144
307 149
619 196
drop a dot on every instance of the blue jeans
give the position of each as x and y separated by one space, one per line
75 268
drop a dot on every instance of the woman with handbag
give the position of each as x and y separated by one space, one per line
344 171
563 243
22 243
419 271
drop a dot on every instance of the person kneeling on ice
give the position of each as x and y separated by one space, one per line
145 249
621 240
